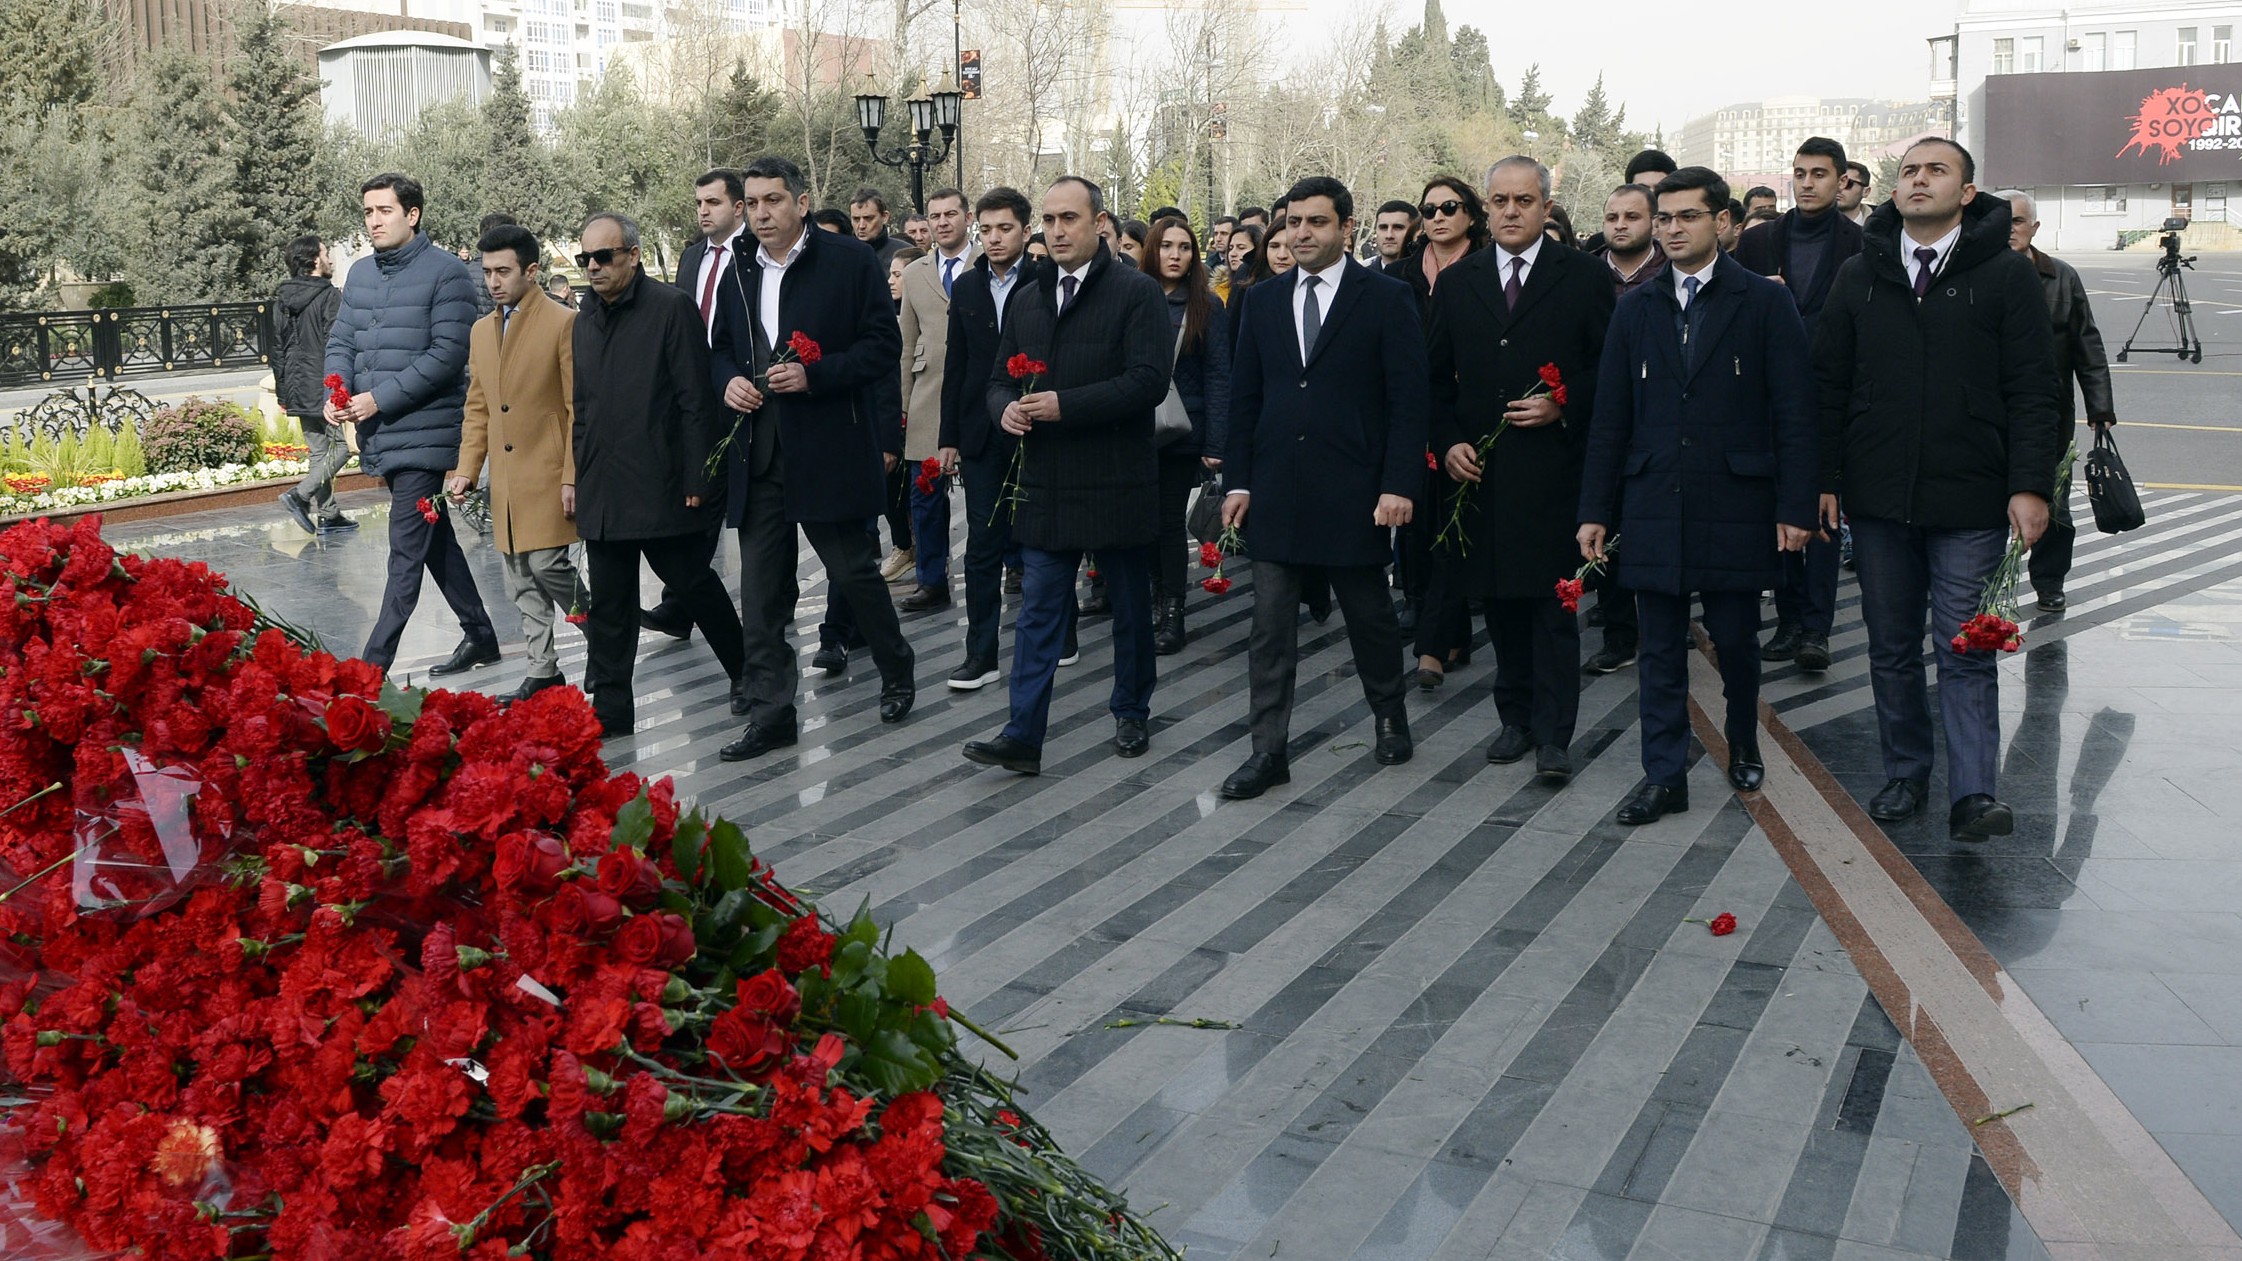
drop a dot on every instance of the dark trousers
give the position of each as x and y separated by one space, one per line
770 586
1179 476
1443 615
417 544
837 629
1273 648
1537 666
1622 624
1662 674
1047 616
1905 570
988 545
898 510
681 561
2049 561
671 607
930 531
1807 595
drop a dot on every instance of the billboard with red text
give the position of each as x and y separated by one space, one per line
2178 125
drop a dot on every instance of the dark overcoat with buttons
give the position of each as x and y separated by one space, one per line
646 415
1523 517
1316 443
1934 410
1702 448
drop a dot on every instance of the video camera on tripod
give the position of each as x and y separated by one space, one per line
2172 287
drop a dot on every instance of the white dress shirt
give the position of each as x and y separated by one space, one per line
1059 292
1508 261
1944 245
1000 288
1703 276
1327 288
715 264
774 272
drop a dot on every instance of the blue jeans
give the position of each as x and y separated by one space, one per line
930 531
1047 613
1903 570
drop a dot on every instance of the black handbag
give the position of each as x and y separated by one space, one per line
2117 505
1205 518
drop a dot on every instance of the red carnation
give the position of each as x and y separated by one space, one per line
1722 924
1569 591
355 726
1210 555
805 945
337 392
1551 377
804 348
428 511
1215 585
1432 462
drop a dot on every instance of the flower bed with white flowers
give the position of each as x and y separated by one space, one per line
63 500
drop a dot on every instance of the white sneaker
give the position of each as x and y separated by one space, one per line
900 564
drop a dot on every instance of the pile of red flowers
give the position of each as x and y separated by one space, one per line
295 963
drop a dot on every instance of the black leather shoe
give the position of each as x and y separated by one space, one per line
895 701
1900 799
298 511
1011 582
1552 765
1745 771
1652 803
1511 743
830 660
664 621
1129 737
1096 605
470 655
925 599
615 728
759 739
531 687
1394 744
2054 601
1609 660
740 704
1784 645
1260 774
1004 751
337 524
1430 679
1813 652
973 676
1978 816
1167 630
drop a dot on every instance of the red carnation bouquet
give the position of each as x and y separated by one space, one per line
1994 628
1569 590
1029 373
337 392
1211 557
929 475
1453 533
297 964
800 348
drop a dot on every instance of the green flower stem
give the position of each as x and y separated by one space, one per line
53 787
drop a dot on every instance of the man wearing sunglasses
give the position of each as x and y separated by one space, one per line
1852 193
1803 249
1703 444
646 420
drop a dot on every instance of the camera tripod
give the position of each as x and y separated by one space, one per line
2171 287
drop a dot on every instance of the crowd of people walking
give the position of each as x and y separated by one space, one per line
1708 401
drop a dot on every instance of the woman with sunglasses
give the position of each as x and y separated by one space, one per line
1202 381
1455 227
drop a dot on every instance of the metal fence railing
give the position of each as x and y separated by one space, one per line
85 346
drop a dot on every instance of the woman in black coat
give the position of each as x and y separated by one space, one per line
1202 382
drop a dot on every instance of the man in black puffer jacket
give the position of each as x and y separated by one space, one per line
1936 366
303 313
400 346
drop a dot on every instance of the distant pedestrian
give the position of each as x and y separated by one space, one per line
303 313
1395 233
868 219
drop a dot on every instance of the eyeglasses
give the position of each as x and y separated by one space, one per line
1437 209
602 257
1668 218
1850 182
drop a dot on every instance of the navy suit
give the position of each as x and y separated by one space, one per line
984 449
1701 445
1314 441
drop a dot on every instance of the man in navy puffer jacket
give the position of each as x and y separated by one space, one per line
400 346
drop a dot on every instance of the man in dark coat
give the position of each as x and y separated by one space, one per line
973 445
1703 445
303 313
399 343
1804 249
646 420
1324 456
1087 473
1505 314
1936 369
816 432
2079 357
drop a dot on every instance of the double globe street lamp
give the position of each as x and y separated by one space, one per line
929 112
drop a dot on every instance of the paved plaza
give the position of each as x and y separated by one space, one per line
1473 1018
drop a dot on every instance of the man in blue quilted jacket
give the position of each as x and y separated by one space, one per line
400 346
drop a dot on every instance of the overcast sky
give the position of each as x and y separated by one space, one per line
1656 58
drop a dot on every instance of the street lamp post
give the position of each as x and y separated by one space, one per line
929 113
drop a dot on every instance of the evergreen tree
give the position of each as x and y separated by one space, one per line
51 68
51 54
1476 88
629 160
1529 106
182 224
1594 126
448 151
275 145
746 116
520 175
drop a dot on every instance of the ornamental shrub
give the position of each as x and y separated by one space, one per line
198 433
128 458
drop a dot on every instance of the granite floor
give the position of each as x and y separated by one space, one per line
1473 1020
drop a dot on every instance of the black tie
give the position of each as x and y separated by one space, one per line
1923 259
1311 320
1066 292
1517 282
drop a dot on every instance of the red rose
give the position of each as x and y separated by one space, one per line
768 993
1722 924
747 1043
356 726
626 876
804 945
582 912
660 939
530 863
